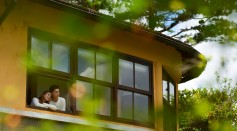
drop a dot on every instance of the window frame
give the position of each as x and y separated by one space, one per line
50 38
167 107
73 76
133 89
169 80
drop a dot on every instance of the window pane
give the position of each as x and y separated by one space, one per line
141 77
60 58
84 95
39 52
165 89
165 86
103 67
102 100
86 63
125 104
172 93
126 73
141 107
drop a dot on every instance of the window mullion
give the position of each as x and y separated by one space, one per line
75 62
72 61
133 106
93 106
149 108
115 73
133 75
174 95
133 91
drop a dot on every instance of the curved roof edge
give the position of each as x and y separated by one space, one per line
193 62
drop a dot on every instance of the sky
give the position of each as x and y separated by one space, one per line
221 59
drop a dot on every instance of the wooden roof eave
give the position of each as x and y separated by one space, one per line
8 9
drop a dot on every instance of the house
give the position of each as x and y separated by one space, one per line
112 74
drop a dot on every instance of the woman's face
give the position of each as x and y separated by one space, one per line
47 96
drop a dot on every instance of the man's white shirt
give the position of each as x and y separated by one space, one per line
60 104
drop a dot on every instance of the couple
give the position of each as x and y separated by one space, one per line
50 99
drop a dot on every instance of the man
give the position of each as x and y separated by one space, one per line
59 102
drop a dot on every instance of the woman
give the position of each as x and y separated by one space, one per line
43 101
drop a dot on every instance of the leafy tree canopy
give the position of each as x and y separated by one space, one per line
205 20
209 109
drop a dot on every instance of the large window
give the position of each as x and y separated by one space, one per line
169 102
133 90
94 75
93 80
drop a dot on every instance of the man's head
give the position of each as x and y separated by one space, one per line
54 89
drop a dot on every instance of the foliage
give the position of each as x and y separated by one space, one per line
209 109
206 20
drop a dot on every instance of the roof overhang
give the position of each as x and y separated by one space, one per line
193 62
8 6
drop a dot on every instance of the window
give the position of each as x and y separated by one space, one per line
94 75
168 90
133 91
93 80
50 54
169 99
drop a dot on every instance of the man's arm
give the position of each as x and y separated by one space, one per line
52 107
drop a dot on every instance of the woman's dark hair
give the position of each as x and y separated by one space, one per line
42 97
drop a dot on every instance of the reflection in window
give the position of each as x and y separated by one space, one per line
165 89
141 77
103 67
86 63
84 102
168 89
60 57
125 104
39 52
126 73
141 107
131 104
102 100
171 86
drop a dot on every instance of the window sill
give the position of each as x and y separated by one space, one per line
56 117
46 109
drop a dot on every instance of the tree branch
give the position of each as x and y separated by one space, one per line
181 18
183 30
